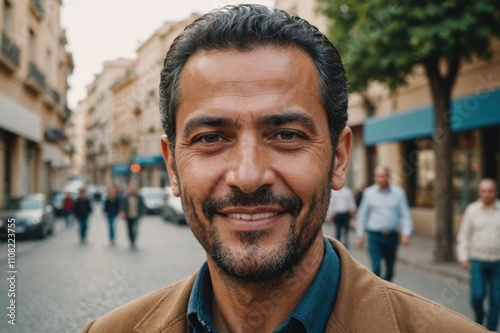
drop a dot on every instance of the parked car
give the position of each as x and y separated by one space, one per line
153 199
32 216
172 210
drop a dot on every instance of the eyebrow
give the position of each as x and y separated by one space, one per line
269 120
209 121
287 118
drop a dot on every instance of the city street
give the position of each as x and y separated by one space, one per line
62 284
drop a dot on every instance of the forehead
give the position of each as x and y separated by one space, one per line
487 186
213 78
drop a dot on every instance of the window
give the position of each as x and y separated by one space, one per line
465 176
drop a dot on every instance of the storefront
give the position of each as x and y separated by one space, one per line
475 124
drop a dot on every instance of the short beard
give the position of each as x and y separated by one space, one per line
254 268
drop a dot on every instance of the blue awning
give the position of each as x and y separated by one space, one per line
149 160
469 112
476 111
399 126
120 169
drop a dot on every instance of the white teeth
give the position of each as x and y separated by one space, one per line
251 217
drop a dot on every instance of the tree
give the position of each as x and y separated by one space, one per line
387 40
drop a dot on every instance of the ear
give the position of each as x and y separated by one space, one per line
168 156
341 161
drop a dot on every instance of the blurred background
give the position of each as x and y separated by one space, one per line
79 108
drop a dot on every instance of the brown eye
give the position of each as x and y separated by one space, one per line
210 138
286 135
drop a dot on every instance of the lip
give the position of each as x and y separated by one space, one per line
252 225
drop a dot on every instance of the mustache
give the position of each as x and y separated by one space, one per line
262 197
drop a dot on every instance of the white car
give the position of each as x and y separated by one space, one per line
154 198
172 210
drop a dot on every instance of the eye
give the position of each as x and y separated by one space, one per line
209 138
287 135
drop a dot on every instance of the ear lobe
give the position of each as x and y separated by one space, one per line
168 156
342 159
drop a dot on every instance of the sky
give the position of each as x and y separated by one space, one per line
102 30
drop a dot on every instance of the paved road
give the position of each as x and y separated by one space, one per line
61 284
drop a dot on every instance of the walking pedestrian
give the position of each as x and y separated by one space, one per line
341 209
254 105
384 215
132 208
82 210
112 209
68 207
478 250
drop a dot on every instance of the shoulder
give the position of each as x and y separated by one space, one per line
382 306
159 308
370 189
416 313
472 208
398 190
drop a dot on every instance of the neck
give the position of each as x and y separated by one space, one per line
489 205
249 307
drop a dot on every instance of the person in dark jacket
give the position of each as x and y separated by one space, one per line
111 209
132 208
82 210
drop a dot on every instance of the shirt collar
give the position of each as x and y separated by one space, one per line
389 188
310 315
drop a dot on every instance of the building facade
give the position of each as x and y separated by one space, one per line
99 105
396 129
137 120
34 66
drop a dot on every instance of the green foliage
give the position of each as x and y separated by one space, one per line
383 40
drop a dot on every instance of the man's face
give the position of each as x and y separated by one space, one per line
381 178
487 192
253 158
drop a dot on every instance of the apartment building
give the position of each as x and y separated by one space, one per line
136 114
76 131
395 129
99 105
34 66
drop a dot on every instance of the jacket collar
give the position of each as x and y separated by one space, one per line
359 290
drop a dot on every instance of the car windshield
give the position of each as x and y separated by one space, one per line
152 195
24 203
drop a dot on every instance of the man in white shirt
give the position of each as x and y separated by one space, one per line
478 249
340 210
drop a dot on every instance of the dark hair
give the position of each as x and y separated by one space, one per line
243 28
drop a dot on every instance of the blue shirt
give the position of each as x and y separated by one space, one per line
384 211
309 316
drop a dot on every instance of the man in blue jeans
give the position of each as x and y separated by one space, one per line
385 215
82 210
478 249
112 208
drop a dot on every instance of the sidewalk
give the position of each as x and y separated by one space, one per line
419 254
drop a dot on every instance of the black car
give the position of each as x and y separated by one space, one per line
30 214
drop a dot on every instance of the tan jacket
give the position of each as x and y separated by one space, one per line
365 303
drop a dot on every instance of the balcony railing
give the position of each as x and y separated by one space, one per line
37 5
36 75
10 50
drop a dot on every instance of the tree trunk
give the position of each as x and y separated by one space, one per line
443 189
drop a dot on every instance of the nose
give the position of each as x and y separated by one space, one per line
250 166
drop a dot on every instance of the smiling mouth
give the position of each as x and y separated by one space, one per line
252 217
